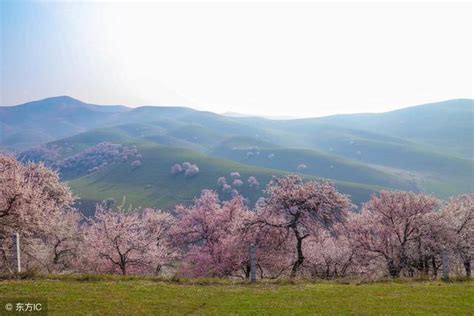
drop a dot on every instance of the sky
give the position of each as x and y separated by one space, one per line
272 59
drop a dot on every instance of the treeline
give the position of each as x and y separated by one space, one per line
299 228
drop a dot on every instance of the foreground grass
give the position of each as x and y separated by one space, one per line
134 296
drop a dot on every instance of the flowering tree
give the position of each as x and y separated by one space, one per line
301 167
301 209
186 165
49 154
127 242
388 226
212 233
237 183
227 188
235 175
329 255
30 196
221 181
136 164
90 159
459 216
253 182
191 171
176 169
162 250
57 250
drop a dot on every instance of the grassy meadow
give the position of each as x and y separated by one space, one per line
135 296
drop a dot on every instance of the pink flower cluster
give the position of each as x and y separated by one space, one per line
90 159
189 169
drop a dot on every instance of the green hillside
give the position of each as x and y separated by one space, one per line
347 173
424 148
316 163
152 184
445 126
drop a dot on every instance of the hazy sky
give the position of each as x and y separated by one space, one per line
306 59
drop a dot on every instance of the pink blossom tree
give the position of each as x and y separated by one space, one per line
30 196
127 242
136 164
329 255
191 171
301 209
226 188
459 216
301 167
388 224
237 183
211 233
58 249
253 182
176 169
221 181
235 175
162 251
186 165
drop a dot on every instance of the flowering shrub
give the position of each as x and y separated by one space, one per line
176 169
90 159
221 181
253 182
136 164
301 167
235 175
237 183
191 171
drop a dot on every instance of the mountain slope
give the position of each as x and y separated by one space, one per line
49 119
426 148
447 125
153 185
311 162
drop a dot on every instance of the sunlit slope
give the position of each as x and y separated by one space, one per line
312 162
239 148
422 148
152 184
389 164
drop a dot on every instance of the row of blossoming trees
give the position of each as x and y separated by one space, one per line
299 228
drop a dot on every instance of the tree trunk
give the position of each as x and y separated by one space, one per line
435 267
123 265
393 269
467 267
247 271
299 249
158 269
426 267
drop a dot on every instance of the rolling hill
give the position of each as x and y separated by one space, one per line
422 148
152 184
45 120
443 126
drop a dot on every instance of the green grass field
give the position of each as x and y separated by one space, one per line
118 296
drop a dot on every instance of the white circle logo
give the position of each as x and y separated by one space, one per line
8 306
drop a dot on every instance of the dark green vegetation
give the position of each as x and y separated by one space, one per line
114 296
424 148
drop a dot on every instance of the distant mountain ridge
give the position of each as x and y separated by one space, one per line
436 123
423 148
